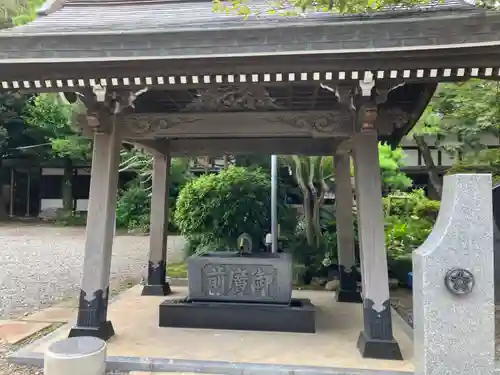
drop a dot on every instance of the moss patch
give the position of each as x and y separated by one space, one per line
177 270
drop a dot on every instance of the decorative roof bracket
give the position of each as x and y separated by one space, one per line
103 105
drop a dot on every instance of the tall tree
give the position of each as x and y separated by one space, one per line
136 160
315 176
457 119
16 137
55 120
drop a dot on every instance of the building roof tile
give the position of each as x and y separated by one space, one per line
117 16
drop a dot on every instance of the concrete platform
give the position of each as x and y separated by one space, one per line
140 345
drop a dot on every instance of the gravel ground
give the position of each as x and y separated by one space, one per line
42 264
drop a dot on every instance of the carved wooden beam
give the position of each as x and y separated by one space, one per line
317 124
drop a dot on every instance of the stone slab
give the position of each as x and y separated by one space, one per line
298 317
54 314
14 331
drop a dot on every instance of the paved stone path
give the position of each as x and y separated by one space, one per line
40 264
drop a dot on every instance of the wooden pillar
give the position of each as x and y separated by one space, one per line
348 290
93 303
157 284
376 340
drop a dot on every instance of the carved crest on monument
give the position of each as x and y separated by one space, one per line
229 98
326 123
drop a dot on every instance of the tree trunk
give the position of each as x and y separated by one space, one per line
309 223
308 217
318 203
67 188
434 179
226 161
307 199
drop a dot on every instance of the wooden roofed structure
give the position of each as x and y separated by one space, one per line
177 78
186 56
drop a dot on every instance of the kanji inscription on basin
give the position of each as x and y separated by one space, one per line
265 279
235 281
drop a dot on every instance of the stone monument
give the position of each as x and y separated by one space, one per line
240 290
453 297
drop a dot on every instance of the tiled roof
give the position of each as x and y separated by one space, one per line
117 16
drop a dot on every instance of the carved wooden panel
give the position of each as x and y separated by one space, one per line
232 98
389 119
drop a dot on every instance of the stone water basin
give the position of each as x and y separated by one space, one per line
231 276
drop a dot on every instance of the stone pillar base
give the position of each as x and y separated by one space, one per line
348 296
379 349
156 290
105 331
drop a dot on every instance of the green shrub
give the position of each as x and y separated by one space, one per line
405 235
172 228
133 208
314 261
202 244
409 220
413 203
215 209
391 160
428 209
